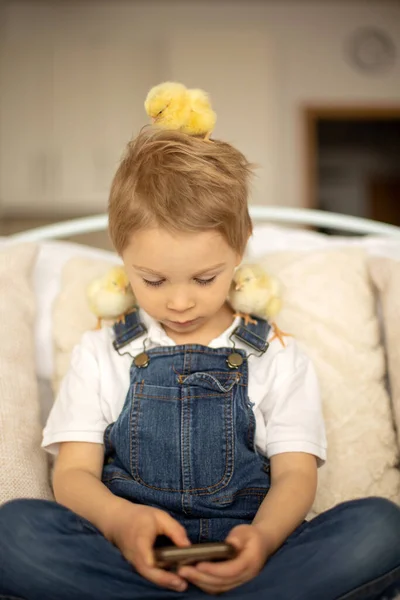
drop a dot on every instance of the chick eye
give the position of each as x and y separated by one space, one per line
205 281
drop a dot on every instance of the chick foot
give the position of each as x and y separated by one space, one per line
121 318
279 334
246 318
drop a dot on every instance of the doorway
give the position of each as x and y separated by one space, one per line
353 161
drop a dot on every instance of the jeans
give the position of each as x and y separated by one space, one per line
351 552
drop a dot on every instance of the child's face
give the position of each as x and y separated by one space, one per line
181 280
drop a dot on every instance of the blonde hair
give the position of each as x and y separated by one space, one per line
181 183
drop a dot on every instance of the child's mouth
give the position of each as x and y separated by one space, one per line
183 324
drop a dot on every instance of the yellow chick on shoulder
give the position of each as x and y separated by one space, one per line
171 105
255 292
110 297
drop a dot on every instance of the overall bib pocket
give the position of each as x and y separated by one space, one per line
181 437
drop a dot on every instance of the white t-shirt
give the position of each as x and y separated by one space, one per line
282 385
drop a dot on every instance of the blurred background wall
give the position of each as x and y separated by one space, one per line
74 75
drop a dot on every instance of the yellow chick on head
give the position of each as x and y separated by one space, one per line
172 106
110 297
255 292
202 118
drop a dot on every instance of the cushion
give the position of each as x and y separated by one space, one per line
385 273
273 238
71 314
328 305
23 465
52 257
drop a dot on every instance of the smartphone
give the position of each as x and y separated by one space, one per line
172 557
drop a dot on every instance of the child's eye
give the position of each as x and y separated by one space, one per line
153 283
205 281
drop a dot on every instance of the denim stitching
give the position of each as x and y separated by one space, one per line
182 378
229 374
260 492
229 462
230 454
222 373
136 426
251 427
131 395
190 355
205 395
186 440
251 339
133 418
210 353
182 435
207 376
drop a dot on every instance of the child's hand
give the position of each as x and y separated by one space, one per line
215 578
134 531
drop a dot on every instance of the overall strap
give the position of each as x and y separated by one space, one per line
128 331
254 334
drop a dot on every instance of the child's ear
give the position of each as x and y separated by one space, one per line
239 259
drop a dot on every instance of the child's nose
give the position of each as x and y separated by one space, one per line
180 302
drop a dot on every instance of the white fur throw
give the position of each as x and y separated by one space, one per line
23 465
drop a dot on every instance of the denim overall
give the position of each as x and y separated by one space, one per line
184 441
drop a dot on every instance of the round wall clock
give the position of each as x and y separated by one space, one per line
371 50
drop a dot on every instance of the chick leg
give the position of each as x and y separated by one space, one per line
279 334
207 136
247 318
121 318
98 324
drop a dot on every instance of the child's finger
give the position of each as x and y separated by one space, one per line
211 583
165 579
174 530
143 560
143 551
226 569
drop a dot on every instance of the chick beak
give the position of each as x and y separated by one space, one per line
238 287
